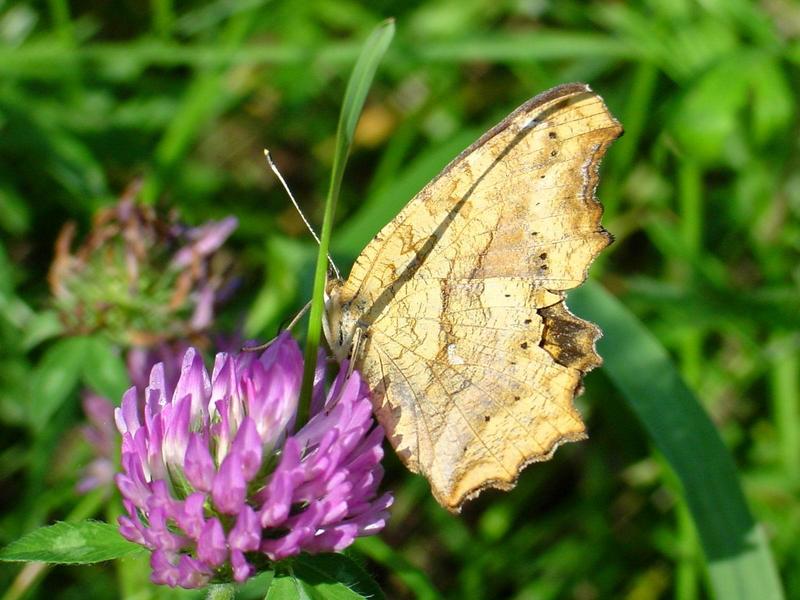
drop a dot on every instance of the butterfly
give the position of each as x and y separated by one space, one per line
454 313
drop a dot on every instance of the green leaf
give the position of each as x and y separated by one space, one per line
104 369
55 378
71 543
354 97
285 587
413 577
40 327
323 577
773 104
708 115
15 213
739 560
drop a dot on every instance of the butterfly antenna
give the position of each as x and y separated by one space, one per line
275 170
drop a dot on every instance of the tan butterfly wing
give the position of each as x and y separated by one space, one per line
472 356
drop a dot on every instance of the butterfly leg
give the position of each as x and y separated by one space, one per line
289 327
355 348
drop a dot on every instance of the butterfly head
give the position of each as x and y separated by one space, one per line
339 323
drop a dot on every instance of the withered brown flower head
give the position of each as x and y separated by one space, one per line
139 278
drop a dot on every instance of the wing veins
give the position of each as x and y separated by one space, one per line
434 319
494 400
417 412
516 139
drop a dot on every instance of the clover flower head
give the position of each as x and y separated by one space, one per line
217 482
139 278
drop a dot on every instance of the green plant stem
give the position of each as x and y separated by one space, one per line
690 183
690 198
785 383
62 23
163 17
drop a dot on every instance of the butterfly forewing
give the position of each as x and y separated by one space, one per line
473 359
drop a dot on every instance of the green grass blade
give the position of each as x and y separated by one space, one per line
203 100
739 560
55 379
527 47
358 86
785 384
354 97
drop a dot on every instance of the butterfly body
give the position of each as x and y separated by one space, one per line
458 302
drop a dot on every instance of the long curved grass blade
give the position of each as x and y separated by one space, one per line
201 102
739 560
354 97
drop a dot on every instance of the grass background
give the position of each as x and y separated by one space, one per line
702 194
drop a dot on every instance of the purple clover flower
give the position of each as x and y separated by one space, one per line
100 431
216 481
141 278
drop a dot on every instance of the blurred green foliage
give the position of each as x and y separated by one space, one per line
702 194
